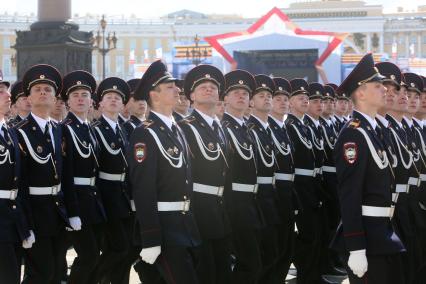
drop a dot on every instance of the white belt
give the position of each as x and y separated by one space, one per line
423 177
402 188
84 181
394 197
48 190
265 180
305 172
112 177
132 205
281 176
208 189
244 187
414 181
9 194
373 211
328 169
318 171
174 206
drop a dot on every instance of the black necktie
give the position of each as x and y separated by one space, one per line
6 135
216 128
48 137
176 134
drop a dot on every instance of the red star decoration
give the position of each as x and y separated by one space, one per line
336 38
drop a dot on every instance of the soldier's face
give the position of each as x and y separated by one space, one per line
262 102
375 94
280 104
23 104
399 99
4 100
220 108
342 106
137 107
422 107
206 93
112 103
299 103
79 101
413 102
328 107
166 94
42 96
237 99
315 108
391 94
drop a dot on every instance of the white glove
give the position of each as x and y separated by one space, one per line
149 255
357 262
28 242
75 223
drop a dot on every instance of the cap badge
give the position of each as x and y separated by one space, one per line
393 77
264 85
207 75
280 88
114 87
78 82
413 85
241 82
42 76
302 88
317 92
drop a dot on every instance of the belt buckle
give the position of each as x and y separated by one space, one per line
391 211
220 190
418 182
186 204
314 172
92 181
255 188
292 177
13 194
122 176
54 190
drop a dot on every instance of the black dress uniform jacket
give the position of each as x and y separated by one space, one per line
244 208
80 160
209 210
47 214
131 125
115 196
14 225
362 182
158 175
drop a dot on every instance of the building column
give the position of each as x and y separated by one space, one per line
407 46
419 45
382 43
368 42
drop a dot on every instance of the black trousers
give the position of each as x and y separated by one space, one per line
213 261
248 256
383 269
148 273
44 262
308 245
115 247
87 244
268 239
10 262
176 265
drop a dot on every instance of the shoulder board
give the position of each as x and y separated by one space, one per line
95 123
225 123
354 123
289 120
67 121
20 124
251 125
188 119
147 123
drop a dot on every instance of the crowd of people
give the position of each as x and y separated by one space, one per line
214 179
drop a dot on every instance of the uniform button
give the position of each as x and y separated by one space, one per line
15 178
183 212
14 206
57 203
184 197
186 181
94 193
94 170
56 176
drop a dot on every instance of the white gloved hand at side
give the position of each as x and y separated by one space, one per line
357 262
28 242
75 223
149 255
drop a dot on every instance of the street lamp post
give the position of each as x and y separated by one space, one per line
196 54
110 41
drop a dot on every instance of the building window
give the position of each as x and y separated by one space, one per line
145 44
7 66
133 44
120 43
413 39
119 65
6 42
95 65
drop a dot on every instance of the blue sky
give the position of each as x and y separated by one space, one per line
155 9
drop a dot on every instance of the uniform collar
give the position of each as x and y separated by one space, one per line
40 121
111 122
79 119
339 118
315 121
168 120
279 122
397 122
419 122
122 117
2 122
238 120
372 121
408 121
383 120
206 117
264 124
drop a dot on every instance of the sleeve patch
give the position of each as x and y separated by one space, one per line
350 152
139 151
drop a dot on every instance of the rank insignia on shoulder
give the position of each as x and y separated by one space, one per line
139 150
170 151
354 123
67 122
147 123
176 150
188 119
225 123
350 152
2 148
95 123
20 124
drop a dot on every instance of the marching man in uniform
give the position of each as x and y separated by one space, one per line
160 174
365 237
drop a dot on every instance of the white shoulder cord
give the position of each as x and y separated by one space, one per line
381 163
423 142
262 150
37 158
164 152
284 150
78 143
330 145
238 146
6 156
321 145
399 143
109 149
203 147
133 125
307 143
